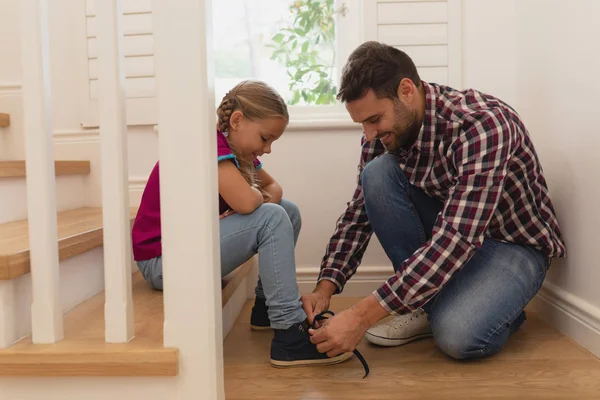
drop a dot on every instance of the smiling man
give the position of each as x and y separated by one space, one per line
450 183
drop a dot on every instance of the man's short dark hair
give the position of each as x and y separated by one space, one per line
377 66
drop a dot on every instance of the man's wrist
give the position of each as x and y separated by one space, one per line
326 287
369 311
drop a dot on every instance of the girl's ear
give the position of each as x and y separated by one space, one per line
235 120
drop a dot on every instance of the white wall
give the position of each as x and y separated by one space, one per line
558 92
489 47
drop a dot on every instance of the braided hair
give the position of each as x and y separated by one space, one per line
256 100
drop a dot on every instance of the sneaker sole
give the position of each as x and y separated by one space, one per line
387 342
260 328
307 363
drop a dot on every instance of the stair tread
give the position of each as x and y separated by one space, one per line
83 351
4 120
79 230
16 168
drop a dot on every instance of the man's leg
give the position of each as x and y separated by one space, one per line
474 314
482 304
402 217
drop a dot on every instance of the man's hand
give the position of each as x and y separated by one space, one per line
342 332
318 300
339 334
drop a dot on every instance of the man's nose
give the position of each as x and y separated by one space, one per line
370 134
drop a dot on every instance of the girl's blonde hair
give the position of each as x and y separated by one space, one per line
256 100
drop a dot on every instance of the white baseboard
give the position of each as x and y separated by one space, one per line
76 136
10 88
136 189
570 314
363 283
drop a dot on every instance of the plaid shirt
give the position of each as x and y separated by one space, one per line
474 153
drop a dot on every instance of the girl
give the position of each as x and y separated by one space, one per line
254 219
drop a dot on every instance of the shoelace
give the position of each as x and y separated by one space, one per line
323 316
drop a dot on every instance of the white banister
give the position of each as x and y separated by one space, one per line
46 313
189 212
118 309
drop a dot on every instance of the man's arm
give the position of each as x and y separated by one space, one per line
352 233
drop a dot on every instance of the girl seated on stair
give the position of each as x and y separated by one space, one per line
254 219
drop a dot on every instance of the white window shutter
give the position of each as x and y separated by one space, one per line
428 31
140 81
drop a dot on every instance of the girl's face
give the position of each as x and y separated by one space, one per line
254 138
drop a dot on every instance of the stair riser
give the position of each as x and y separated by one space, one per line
70 192
81 277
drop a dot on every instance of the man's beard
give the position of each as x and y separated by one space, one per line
405 130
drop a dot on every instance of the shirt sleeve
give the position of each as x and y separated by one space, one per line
481 159
353 231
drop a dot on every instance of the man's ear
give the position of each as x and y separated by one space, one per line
236 119
406 90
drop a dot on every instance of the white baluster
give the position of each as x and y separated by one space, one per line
189 210
118 309
46 313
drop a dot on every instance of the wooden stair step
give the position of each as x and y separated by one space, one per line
4 120
83 352
79 230
16 169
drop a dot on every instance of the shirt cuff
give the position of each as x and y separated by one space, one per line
335 276
390 301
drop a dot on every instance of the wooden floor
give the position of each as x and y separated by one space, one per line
538 363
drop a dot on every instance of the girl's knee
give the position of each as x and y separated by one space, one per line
272 212
292 211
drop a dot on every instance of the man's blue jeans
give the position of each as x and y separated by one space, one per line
482 305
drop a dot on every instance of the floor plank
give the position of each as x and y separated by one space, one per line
538 363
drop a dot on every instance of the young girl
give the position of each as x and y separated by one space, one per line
254 219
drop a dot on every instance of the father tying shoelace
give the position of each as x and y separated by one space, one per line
450 183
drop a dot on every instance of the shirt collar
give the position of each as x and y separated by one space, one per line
426 137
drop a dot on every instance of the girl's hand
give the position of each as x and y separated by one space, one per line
226 214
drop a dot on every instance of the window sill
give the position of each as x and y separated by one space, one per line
321 124
317 124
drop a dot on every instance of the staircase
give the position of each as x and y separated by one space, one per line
83 351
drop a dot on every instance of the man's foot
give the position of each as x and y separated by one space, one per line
292 348
400 330
259 319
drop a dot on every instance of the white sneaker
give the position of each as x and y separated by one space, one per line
400 330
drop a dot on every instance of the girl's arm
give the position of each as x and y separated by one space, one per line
270 185
234 189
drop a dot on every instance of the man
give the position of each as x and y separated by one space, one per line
450 183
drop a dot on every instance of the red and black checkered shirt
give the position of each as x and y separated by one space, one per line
474 153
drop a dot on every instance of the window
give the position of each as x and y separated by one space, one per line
291 44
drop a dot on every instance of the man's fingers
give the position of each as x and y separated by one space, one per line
308 309
334 352
324 347
317 335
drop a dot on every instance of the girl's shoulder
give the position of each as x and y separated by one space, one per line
223 148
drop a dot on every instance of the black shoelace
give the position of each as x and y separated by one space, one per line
323 316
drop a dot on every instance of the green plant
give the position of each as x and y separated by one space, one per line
307 49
